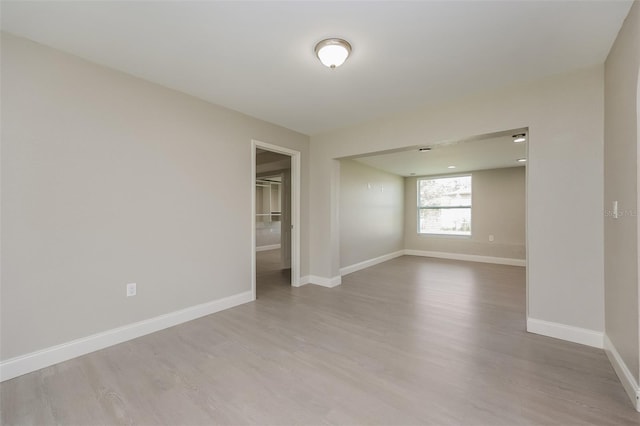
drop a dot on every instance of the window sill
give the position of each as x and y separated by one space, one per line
445 236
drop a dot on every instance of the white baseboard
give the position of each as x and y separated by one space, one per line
371 262
304 280
325 282
33 361
467 257
269 247
628 381
569 333
321 281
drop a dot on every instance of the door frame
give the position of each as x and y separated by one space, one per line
295 210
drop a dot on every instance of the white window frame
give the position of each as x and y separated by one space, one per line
419 207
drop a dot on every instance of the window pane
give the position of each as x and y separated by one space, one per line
455 221
453 191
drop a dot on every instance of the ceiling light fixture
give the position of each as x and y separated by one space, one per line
332 52
522 160
451 167
519 138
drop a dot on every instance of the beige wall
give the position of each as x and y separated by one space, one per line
108 179
621 184
371 213
564 115
498 209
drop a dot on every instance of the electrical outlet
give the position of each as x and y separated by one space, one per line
491 238
131 289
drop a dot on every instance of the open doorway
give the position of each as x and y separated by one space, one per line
273 221
275 217
463 199
456 200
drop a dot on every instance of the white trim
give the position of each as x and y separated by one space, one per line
527 214
295 216
569 333
253 219
325 282
269 247
370 262
637 401
626 378
295 210
33 361
303 281
468 257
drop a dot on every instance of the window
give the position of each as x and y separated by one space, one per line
444 206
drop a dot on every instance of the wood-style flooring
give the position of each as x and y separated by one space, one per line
410 341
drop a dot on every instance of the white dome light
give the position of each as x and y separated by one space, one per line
332 52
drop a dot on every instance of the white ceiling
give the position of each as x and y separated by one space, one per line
488 152
257 57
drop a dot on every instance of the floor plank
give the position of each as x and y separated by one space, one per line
410 341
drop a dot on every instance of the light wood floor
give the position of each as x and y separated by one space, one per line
410 341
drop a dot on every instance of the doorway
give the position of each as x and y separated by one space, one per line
414 199
275 201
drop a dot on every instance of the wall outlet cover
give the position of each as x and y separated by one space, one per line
131 289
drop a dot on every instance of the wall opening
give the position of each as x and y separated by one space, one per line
275 201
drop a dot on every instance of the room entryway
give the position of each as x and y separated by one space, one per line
275 217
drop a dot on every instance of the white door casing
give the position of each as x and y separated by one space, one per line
294 211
